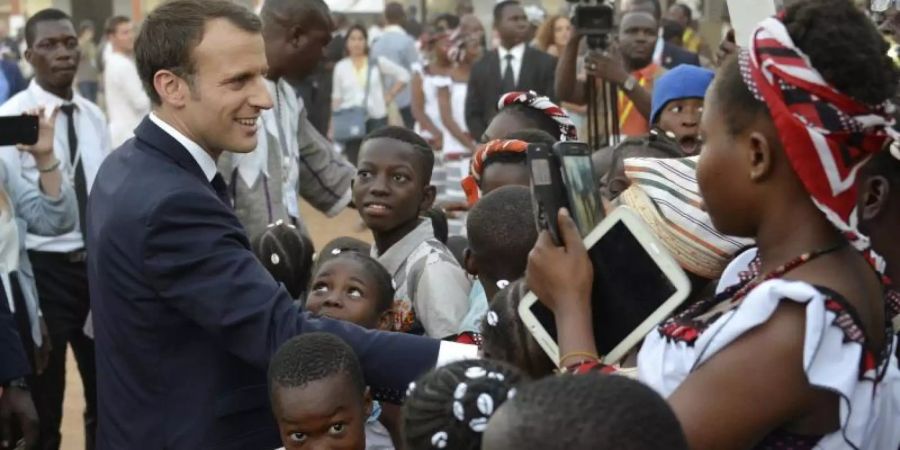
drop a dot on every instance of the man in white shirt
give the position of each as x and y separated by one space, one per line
399 47
81 143
291 156
126 101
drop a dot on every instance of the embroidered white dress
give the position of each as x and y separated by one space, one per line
834 358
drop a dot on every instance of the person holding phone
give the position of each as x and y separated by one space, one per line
47 209
804 314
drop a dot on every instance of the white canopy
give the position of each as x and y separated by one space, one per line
356 6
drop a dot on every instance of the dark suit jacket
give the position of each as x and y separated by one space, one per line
674 56
13 362
537 74
186 318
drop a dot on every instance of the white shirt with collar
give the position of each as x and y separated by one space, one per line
204 160
518 53
93 147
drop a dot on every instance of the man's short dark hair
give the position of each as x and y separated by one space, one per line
591 410
312 357
686 10
44 15
407 136
112 24
499 7
394 13
501 230
173 30
292 11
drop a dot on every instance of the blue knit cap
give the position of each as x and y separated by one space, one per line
684 81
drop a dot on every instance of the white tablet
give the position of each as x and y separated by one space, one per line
637 285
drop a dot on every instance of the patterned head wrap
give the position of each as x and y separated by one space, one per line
567 131
827 135
457 51
476 167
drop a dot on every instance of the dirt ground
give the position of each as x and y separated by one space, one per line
321 228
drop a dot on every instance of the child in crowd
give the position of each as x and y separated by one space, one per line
587 411
450 407
521 110
501 232
878 207
392 189
505 338
787 126
353 287
318 395
675 125
287 254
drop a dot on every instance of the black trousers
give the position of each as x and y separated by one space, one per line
63 290
408 120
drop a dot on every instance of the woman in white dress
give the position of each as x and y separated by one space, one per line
796 349
351 76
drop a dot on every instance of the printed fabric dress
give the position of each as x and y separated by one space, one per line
835 356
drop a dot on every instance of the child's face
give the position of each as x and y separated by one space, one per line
323 414
344 290
682 117
390 189
499 174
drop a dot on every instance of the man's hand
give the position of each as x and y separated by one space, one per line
606 65
561 277
42 150
42 353
726 48
16 406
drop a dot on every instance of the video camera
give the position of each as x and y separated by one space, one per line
593 19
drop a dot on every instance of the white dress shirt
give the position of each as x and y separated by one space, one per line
204 160
349 90
126 101
517 52
93 147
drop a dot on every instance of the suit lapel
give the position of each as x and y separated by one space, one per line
160 141
494 76
524 75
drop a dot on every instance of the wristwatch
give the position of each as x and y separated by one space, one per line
629 84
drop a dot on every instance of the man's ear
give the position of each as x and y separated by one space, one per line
428 198
760 156
874 195
28 54
171 88
469 260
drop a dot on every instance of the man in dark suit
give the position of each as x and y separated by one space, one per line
665 54
514 66
185 317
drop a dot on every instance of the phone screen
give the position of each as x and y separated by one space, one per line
628 287
581 190
18 130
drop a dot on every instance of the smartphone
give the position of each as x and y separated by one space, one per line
637 284
546 188
18 130
580 185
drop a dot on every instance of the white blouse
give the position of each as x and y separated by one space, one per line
349 85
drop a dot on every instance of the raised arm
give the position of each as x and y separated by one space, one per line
568 87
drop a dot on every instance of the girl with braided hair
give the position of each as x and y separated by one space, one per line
449 408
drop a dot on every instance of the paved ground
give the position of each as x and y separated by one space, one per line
322 229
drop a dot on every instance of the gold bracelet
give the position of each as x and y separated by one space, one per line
590 355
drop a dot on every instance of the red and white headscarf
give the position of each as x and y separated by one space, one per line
476 167
826 134
567 131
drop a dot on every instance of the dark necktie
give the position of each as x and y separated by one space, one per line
81 192
508 84
218 183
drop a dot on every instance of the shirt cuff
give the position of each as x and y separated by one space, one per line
340 205
453 351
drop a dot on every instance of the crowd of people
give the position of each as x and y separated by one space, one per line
154 227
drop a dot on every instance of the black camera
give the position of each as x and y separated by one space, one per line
594 20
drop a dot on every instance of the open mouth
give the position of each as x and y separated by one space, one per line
690 145
376 209
249 122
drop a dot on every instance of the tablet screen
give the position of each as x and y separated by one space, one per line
628 287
